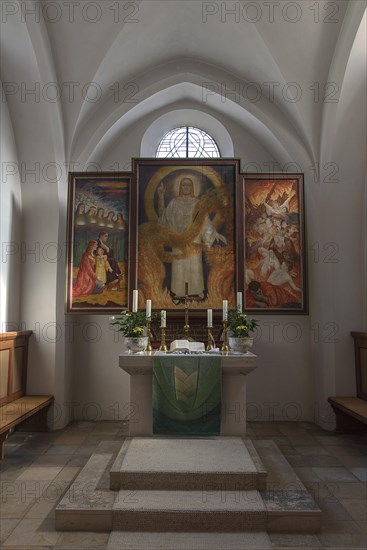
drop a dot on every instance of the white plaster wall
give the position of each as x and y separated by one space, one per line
71 365
281 388
11 210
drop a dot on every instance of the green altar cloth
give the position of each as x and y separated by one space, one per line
187 393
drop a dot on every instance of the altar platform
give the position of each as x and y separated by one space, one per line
169 493
235 368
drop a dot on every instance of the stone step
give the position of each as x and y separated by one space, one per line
164 463
219 511
290 508
188 541
87 504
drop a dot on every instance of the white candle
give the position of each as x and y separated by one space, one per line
239 301
163 318
135 301
210 318
149 308
225 310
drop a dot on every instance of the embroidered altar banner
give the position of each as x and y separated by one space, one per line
187 393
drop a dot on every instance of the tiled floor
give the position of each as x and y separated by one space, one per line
38 469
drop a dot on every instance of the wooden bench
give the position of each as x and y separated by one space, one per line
350 411
16 408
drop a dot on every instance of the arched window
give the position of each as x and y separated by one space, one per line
187 142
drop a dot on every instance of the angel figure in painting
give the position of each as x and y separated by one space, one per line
179 216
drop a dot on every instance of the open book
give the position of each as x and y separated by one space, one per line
185 345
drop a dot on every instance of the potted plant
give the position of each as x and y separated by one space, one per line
240 327
132 326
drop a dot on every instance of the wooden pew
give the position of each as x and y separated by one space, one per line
351 411
16 408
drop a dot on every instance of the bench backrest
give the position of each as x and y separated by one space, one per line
360 348
13 365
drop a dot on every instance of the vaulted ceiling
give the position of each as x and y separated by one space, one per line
266 66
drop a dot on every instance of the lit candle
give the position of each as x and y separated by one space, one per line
210 318
186 289
163 318
149 308
135 301
225 310
239 301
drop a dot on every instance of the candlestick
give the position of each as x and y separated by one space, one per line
149 308
239 301
163 319
163 346
135 301
211 343
225 346
210 318
148 347
225 310
186 325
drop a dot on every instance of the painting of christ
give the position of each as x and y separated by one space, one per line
186 233
99 210
274 274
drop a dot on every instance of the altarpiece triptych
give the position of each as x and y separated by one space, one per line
168 223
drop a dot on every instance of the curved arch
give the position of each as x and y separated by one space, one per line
352 22
153 85
171 100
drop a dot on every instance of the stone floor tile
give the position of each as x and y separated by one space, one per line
77 461
280 540
83 541
334 474
62 450
329 439
342 534
362 525
71 439
334 511
313 461
6 528
359 473
313 450
86 450
14 509
354 461
348 450
33 532
320 491
306 473
357 508
43 509
348 490
68 473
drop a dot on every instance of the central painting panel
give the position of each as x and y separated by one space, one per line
186 233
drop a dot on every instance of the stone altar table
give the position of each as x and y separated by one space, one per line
235 368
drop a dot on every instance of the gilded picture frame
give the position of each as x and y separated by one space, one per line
186 232
98 242
272 244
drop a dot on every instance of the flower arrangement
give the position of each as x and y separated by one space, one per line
240 324
131 324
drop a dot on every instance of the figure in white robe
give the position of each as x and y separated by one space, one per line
178 216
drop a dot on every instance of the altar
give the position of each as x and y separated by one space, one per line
235 368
